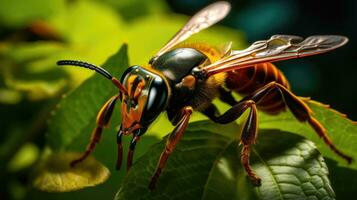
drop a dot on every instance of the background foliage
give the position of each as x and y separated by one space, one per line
32 40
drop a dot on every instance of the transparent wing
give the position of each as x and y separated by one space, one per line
278 47
201 20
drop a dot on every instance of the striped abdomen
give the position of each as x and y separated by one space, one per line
248 80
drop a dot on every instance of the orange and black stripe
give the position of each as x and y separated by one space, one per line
248 80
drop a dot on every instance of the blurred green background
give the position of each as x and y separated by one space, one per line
34 34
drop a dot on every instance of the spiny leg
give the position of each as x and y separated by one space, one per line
303 113
172 141
248 137
249 132
103 119
300 110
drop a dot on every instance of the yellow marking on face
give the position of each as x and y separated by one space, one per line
130 82
139 89
134 103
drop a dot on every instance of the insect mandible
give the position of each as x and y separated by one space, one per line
182 78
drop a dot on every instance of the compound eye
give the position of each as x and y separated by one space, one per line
157 97
153 99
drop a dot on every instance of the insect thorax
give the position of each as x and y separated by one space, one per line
177 64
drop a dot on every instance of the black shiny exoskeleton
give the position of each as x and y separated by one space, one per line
175 65
180 79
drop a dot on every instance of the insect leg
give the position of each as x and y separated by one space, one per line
303 113
120 149
129 161
211 112
300 110
103 119
172 141
249 132
226 96
248 137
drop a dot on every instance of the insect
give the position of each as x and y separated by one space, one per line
182 78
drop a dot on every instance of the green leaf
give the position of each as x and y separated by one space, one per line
25 157
29 69
53 174
16 13
76 112
341 130
105 152
141 8
206 165
343 179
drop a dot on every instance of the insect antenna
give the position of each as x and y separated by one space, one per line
86 65
99 70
